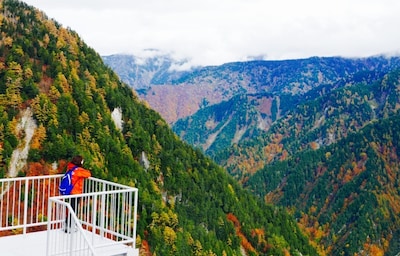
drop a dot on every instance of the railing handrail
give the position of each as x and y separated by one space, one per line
40 177
122 186
96 193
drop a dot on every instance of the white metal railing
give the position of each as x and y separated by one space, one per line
24 201
76 242
102 218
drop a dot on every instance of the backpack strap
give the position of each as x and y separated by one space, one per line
71 170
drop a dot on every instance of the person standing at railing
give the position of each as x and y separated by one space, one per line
79 174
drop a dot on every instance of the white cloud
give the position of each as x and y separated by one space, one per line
213 32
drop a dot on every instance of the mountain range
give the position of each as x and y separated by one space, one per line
76 104
317 136
292 157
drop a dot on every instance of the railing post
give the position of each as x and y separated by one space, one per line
26 205
136 191
49 220
103 210
94 216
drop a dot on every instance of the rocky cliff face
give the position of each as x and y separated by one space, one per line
25 130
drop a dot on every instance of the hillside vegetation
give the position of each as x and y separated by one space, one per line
347 194
188 205
317 136
300 151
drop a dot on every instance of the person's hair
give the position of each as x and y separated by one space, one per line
77 160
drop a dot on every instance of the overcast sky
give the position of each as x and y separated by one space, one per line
212 32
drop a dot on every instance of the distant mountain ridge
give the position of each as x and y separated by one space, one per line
183 93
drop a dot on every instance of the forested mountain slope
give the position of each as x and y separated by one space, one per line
346 194
331 157
252 130
188 204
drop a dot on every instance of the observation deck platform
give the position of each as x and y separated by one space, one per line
33 217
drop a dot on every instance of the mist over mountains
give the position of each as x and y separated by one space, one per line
142 72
